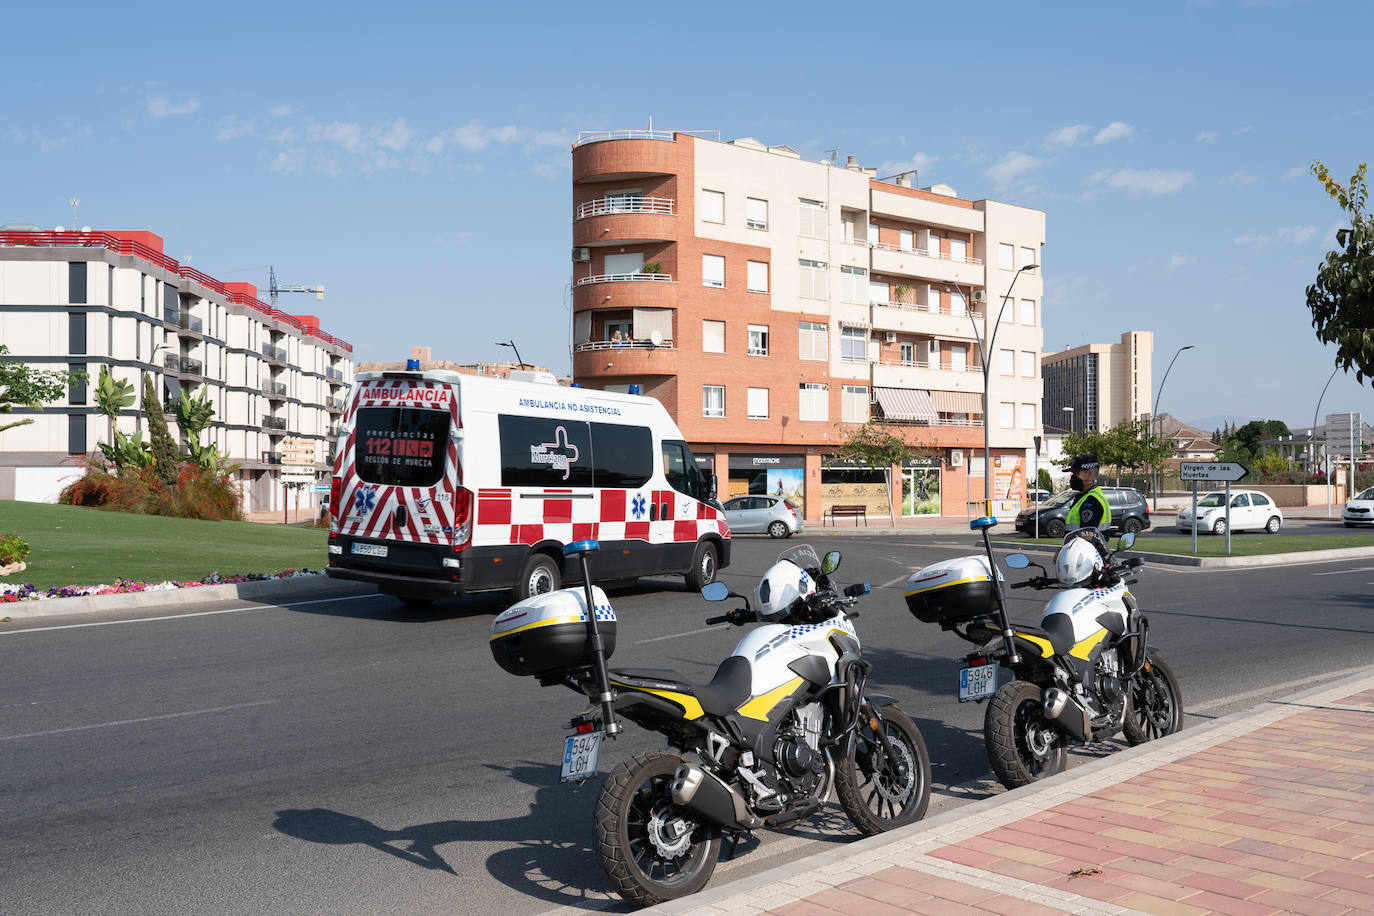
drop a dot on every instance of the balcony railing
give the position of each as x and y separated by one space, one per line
597 136
918 364
274 389
607 205
273 423
926 253
170 315
621 278
182 364
943 421
189 322
590 345
333 374
940 309
275 353
271 458
334 405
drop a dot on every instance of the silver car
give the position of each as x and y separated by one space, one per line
771 514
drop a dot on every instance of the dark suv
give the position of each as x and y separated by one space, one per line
1130 512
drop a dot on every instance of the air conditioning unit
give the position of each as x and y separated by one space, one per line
582 254
889 337
956 457
979 295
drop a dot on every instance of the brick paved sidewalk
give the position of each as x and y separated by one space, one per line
1268 811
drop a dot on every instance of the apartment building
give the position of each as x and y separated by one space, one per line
82 300
771 301
491 369
1096 386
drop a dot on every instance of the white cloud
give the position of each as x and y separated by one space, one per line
1287 235
920 162
1241 178
348 134
1011 166
1116 130
281 111
1296 171
1253 240
233 130
1177 260
396 137
1206 136
1067 136
1246 129
476 137
1143 181
290 162
161 106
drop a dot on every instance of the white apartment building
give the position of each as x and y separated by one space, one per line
82 300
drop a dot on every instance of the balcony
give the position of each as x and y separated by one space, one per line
615 154
893 373
608 205
595 358
620 221
274 425
928 209
335 376
190 323
182 365
928 320
646 291
274 390
334 405
913 262
170 316
271 458
276 354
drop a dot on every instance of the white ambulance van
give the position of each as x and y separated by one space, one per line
446 484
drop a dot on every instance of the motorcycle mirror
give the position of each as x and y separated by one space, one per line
830 562
716 591
1017 560
1126 541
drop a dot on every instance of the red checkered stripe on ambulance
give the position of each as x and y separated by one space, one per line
369 510
534 515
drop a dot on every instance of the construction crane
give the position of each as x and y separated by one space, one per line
273 288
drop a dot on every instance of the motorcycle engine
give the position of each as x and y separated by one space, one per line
801 764
1111 695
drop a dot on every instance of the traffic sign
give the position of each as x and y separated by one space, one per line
296 451
1229 471
321 487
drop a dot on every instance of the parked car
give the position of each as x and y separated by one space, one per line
1251 510
773 515
1038 496
1130 512
1360 510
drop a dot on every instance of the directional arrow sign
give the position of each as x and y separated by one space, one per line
1213 470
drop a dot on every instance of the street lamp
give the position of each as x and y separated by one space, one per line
511 344
983 356
1158 394
1312 444
1069 411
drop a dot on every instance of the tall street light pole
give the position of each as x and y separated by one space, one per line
1312 444
1158 394
983 356
511 344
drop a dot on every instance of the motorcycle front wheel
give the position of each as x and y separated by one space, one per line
1022 744
1154 707
651 850
876 795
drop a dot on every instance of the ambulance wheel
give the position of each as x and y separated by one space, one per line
703 571
540 575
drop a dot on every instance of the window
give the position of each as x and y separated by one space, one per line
1005 256
1259 499
404 446
852 284
908 350
907 240
618 331
1028 363
814 401
1007 362
854 404
758 403
713 271
1027 256
1007 416
628 201
623 455
877 292
1028 312
958 250
872 233
713 337
755 213
76 282
958 306
854 345
680 467
1028 416
712 207
713 400
811 219
813 342
813 285
977 467
758 340
758 277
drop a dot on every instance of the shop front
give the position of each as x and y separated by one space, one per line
846 483
775 475
920 487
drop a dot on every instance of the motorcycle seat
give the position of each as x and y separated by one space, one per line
727 691
1037 634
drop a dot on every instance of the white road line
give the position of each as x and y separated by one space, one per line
1280 689
641 642
172 715
895 581
1341 572
232 610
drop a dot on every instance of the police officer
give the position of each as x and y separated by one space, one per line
1090 510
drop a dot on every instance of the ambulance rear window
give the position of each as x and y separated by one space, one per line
401 446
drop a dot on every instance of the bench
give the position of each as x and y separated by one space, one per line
854 512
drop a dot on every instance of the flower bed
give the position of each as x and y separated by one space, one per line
26 592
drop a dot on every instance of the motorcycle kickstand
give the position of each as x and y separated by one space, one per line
735 837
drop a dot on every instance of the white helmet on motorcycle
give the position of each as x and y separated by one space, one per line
781 585
1076 562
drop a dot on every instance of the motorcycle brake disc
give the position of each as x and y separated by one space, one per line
670 847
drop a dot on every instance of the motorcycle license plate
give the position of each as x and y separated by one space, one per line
580 755
977 682
370 550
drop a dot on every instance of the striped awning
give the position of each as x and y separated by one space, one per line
957 402
906 404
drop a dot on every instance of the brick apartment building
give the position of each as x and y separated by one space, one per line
768 301
83 300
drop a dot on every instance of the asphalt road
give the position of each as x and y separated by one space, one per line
346 756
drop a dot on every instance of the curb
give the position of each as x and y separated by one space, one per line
264 590
1268 559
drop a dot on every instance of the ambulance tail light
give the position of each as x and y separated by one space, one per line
462 519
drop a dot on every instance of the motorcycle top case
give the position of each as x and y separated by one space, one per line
951 591
548 633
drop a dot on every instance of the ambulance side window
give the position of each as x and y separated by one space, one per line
681 469
544 452
623 455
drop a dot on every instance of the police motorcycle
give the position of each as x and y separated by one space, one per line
786 717
1085 674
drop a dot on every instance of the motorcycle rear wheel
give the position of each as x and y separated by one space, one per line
636 846
1023 746
874 796
1155 704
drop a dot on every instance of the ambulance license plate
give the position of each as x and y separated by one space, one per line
370 550
977 682
580 756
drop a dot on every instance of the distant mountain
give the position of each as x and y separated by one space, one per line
1217 421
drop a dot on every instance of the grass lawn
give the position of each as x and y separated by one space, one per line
72 545
1245 544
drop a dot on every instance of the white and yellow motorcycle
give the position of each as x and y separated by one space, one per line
786 717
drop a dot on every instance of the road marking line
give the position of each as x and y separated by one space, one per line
231 610
1341 572
640 642
172 715
1286 685
895 581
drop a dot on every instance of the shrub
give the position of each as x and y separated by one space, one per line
202 493
13 549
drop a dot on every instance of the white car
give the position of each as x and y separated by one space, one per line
1360 510
1251 510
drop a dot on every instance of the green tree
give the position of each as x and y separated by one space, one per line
163 448
1256 431
194 416
874 445
111 397
1043 480
25 386
1342 299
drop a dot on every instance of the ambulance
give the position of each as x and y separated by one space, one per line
446 484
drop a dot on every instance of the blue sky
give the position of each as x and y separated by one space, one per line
415 159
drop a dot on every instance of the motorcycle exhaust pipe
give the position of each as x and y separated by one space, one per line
1064 710
707 795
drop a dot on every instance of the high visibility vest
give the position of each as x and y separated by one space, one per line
1093 496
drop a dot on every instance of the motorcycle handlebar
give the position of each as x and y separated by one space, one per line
712 621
